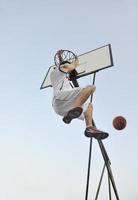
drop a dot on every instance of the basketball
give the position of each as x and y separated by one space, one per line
119 122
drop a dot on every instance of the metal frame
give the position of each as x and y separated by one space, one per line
107 164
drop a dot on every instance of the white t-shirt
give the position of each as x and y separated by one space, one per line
59 81
64 94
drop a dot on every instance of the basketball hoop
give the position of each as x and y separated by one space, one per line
64 55
89 62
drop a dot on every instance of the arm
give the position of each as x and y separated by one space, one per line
59 53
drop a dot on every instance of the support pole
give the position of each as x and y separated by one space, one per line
97 193
105 157
107 164
88 172
90 152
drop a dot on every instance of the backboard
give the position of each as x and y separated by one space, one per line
90 62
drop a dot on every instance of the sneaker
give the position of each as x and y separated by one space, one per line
72 114
94 132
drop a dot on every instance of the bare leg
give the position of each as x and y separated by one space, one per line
92 131
78 102
84 95
88 116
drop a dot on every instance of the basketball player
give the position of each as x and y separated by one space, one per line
72 102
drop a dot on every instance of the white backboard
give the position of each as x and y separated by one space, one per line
90 62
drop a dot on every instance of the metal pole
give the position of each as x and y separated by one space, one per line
90 152
97 193
109 187
106 159
88 172
108 163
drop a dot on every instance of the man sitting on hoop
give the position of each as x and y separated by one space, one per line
72 102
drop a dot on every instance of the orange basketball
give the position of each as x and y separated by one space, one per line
119 122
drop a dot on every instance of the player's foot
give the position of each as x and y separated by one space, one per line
72 114
96 133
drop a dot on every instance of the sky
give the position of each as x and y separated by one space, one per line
40 156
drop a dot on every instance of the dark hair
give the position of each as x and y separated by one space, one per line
64 62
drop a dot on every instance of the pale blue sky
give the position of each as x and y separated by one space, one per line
41 157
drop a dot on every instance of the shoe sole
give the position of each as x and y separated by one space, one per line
98 135
72 114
